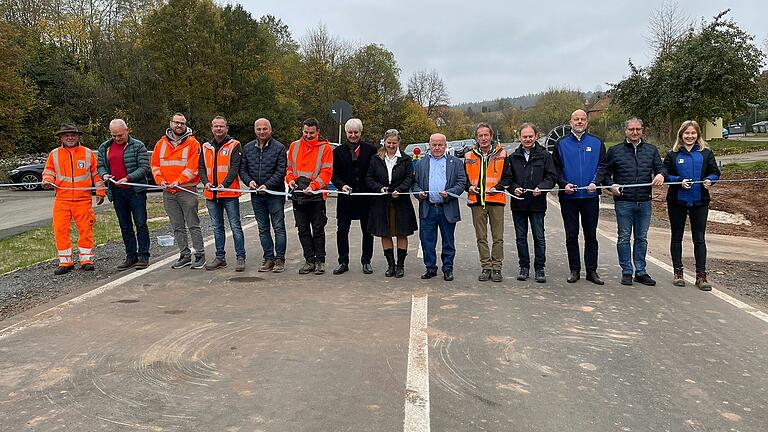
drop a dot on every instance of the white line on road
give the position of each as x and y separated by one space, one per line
417 378
21 325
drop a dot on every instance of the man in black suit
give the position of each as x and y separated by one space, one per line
350 166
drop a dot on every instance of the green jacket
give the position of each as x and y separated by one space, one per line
136 159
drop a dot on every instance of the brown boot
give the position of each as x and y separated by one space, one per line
701 282
678 280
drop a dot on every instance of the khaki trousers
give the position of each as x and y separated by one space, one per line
490 259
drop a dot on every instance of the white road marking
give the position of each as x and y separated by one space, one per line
690 279
417 378
21 325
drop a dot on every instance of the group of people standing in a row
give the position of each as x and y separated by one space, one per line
375 188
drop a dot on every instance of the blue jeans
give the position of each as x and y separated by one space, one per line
216 210
265 209
632 216
130 204
521 219
428 235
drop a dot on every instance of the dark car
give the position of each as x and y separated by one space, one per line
33 173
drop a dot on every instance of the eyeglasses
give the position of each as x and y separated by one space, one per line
178 123
635 129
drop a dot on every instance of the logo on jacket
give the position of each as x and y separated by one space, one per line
589 149
81 164
681 161
470 161
224 152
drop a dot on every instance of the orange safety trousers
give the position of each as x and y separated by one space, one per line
84 216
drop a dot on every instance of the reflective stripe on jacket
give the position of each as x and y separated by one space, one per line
313 161
219 161
176 164
76 168
488 167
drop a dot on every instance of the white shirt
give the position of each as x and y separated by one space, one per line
390 162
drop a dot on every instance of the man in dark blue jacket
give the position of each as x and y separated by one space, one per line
262 168
577 157
633 162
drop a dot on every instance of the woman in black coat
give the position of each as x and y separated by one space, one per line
392 215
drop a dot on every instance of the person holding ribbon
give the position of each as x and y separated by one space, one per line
124 159
692 163
392 214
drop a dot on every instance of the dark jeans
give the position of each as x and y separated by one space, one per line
521 219
632 216
589 211
310 220
130 204
343 225
270 210
677 216
216 210
428 234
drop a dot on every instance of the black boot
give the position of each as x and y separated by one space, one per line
389 254
400 268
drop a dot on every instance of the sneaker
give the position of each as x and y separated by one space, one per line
279 266
319 268
496 276
60 270
267 265
240 265
128 263
485 275
523 275
626 279
307 268
215 264
539 276
199 262
183 261
645 279
87 267
142 263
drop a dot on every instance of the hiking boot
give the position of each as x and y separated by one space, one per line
240 264
645 279
678 279
626 279
593 277
485 275
701 282
87 267
319 268
539 276
60 270
183 261
215 264
199 262
267 265
523 274
142 263
307 268
496 276
128 263
279 266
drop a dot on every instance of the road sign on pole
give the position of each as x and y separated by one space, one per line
341 111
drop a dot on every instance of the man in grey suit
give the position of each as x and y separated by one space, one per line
439 179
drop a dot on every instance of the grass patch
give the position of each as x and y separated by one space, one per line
37 245
759 167
723 147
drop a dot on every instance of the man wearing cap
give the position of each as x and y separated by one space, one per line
175 167
72 170
124 159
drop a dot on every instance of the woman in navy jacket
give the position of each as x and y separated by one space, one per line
690 160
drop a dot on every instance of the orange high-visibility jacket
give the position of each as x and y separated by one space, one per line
313 160
178 163
488 168
75 168
221 162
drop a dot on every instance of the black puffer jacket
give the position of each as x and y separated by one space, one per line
265 167
538 172
625 164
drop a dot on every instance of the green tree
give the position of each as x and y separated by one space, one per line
376 91
416 125
554 108
17 93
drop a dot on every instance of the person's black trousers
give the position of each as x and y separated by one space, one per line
310 220
343 225
588 210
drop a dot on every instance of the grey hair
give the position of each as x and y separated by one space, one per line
353 124
391 133
633 119
529 125
118 123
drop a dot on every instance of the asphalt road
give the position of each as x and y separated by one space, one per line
187 349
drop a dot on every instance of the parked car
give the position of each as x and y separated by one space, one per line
33 173
725 133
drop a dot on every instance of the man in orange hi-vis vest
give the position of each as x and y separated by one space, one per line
175 166
72 170
310 168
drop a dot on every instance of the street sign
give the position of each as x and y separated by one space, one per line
341 111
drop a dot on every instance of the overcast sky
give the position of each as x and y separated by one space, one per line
485 49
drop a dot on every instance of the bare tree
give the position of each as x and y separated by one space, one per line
667 26
318 45
428 90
